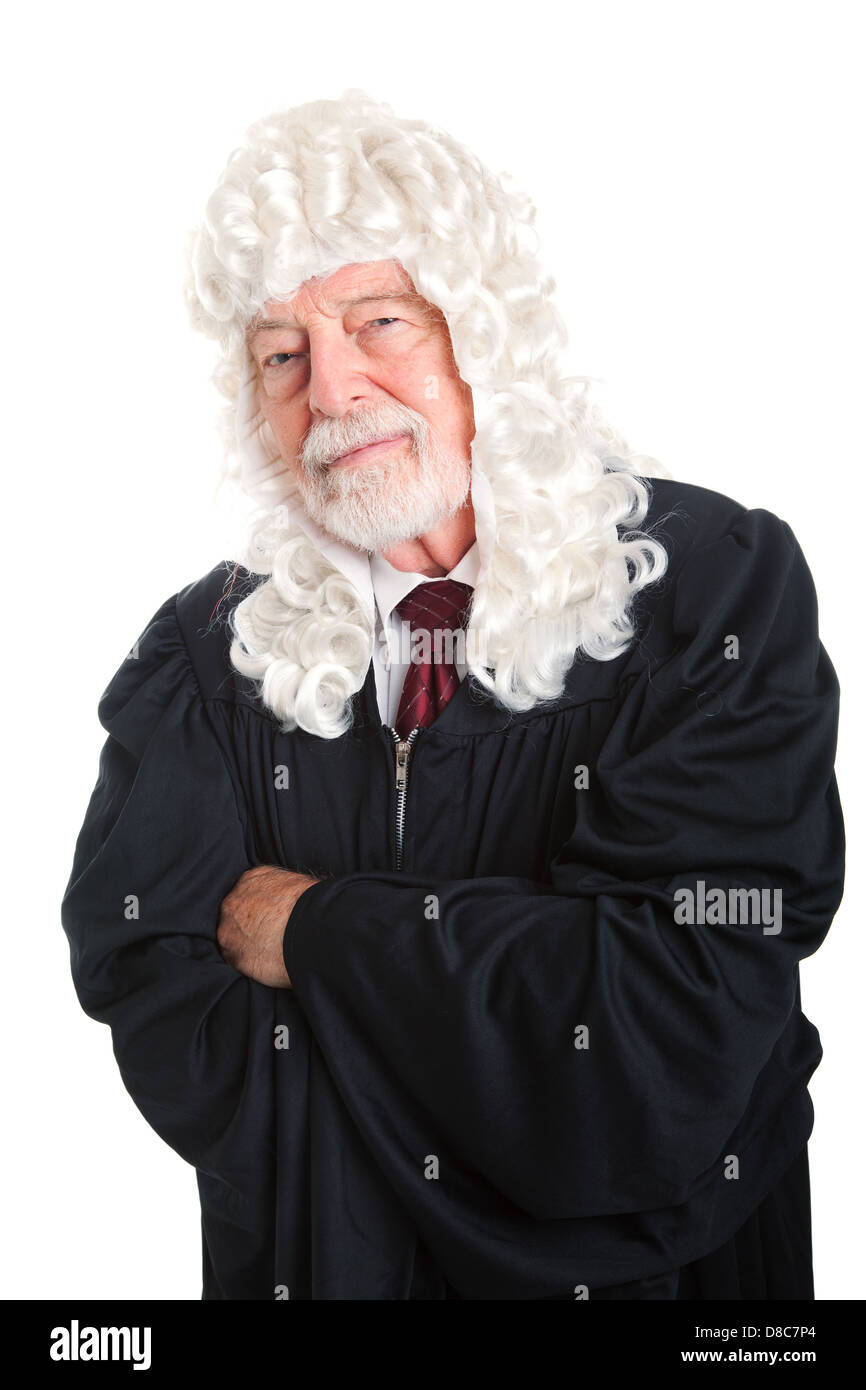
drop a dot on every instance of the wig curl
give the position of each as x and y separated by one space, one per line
557 494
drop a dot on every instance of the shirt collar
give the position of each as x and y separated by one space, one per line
390 585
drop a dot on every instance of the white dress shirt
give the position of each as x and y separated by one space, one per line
390 585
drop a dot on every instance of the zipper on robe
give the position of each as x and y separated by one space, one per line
402 749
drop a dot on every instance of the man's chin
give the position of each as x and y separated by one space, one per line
359 526
368 539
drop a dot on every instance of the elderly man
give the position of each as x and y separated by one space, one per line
451 859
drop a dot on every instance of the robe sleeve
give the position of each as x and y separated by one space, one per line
161 844
447 1010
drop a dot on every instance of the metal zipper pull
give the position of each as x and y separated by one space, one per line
402 752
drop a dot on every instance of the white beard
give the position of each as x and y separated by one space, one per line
376 506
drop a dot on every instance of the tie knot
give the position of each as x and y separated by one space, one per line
442 603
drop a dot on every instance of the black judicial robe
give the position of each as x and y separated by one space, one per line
505 1069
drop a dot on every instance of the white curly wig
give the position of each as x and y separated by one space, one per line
332 183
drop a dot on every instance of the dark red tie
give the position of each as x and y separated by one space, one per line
442 604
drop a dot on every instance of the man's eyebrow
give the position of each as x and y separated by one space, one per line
404 296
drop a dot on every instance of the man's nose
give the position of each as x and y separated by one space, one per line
337 377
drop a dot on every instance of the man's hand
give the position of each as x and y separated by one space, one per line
253 919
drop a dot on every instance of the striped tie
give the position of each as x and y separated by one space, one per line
438 606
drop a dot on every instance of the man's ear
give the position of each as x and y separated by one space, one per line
468 398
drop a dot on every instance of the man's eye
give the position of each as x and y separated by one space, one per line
384 320
290 356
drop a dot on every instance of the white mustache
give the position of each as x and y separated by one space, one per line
330 439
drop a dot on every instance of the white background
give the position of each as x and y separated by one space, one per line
697 170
